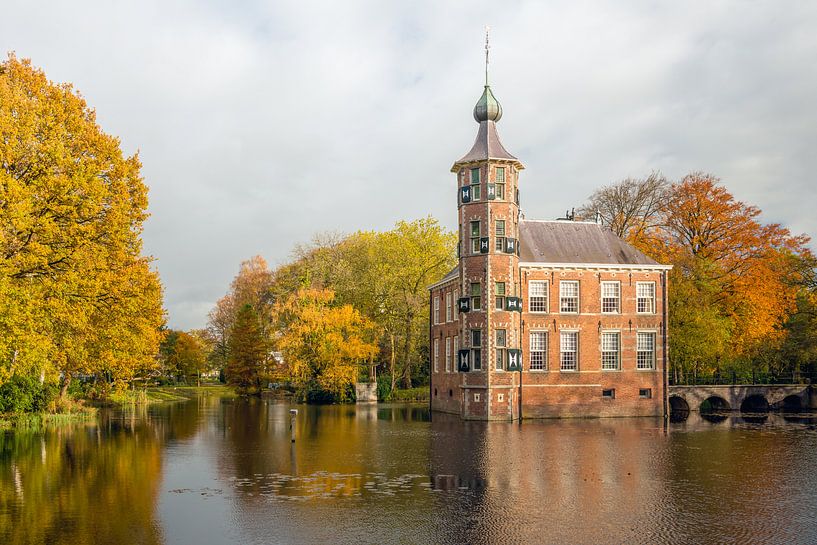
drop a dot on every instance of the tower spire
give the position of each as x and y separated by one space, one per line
487 50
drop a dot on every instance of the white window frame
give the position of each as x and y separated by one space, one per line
562 352
448 354
532 297
448 314
436 354
475 239
455 352
537 351
475 297
436 309
456 303
606 351
563 297
616 297
638 350
650 299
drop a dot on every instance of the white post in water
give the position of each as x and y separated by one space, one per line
293 414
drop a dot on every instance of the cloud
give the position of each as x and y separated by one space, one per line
260 124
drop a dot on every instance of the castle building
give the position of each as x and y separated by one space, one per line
541 319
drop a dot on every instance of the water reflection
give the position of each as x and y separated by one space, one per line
219 470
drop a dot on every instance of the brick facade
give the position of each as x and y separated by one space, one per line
627 378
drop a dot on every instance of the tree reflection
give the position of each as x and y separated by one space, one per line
80 483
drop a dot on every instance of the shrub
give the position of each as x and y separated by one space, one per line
25 394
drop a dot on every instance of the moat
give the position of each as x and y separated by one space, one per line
223 470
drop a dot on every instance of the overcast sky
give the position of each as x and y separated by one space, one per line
261 123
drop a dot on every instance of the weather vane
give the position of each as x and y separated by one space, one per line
487 48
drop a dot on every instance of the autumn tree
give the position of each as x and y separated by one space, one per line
248 350
735 281
80 296
251 286
323 345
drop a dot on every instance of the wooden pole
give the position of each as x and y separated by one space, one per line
293 414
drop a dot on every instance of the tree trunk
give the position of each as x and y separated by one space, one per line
391 364
407 355
66 382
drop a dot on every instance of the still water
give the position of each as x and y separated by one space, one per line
218 470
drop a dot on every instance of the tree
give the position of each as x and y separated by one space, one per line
71 214
323 345
248 351
630 207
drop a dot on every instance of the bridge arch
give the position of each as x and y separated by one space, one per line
678 408
755 403
714 403
792 404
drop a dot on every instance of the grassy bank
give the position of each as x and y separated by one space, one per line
36 421
419 393
169 394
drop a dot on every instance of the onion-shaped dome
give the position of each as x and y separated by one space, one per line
488 107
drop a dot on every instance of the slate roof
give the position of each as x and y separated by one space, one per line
575 242
486 146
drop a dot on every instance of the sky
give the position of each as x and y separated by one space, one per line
261 124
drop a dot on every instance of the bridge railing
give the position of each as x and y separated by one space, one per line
731 378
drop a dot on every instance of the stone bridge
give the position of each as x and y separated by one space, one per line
746 398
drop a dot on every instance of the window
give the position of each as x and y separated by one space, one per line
645 350
456 346
499 243
500 183
475 233
500 397
568 356
608 394
538 296
476 398
501 343
476 296
436 310
475 187
500 295
448 307
569 296
448 354
476 351
538 350
456 301
610 297
610 350
645 393
645 297
436 355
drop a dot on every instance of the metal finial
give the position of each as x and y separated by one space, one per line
487 49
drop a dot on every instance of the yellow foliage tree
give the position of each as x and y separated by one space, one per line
71 214
322 345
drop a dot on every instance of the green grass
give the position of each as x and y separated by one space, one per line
419 393
37 421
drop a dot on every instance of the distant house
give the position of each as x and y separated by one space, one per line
541 319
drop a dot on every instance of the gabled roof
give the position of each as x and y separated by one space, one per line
576 242
487 146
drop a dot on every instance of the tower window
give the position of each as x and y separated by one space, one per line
501 341
475 233
500 295
476 296
569 296
475 185
499 227
500 183
476 352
